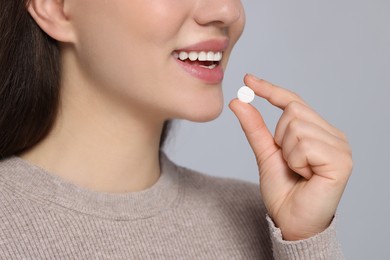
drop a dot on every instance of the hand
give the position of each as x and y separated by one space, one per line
303 169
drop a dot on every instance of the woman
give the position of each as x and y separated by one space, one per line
88 89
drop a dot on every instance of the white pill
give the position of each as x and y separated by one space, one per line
245 94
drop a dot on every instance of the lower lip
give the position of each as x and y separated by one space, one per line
210 76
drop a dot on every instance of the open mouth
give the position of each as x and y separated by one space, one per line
205 59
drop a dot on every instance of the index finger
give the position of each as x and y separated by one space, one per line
277 96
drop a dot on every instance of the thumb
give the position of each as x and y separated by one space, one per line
255 129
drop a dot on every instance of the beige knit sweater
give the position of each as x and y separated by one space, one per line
185 215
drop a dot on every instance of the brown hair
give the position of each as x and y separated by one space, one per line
29 80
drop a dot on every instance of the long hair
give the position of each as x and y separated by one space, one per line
29 80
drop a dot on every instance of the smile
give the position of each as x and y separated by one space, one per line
205 59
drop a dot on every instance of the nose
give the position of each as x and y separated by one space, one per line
222 13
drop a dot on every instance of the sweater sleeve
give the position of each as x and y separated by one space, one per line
323 246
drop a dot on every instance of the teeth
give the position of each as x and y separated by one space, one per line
201 56
210 56
193 56
218 56
183 55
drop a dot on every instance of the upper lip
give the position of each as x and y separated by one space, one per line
216 45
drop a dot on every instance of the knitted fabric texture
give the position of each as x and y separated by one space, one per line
184 215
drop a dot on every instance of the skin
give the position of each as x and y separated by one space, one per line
120 83
303 168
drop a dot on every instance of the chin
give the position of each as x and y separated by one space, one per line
205 113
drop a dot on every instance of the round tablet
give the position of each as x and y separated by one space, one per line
245 94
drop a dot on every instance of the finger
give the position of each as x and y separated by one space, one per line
277 96
321 159
298 111
298 130
255 129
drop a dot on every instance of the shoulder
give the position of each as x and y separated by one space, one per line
9 168
12 174
12 202
15 183
6 165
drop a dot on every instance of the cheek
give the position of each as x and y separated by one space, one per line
124 49
122 43
237 28
160 21
135 22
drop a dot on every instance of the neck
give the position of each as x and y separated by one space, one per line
99 154
100 145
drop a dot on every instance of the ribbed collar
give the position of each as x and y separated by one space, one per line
56 193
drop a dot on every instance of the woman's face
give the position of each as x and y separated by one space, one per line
128 50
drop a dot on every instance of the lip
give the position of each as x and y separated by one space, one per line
208 45
210 76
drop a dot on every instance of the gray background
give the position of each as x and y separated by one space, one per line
336 55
